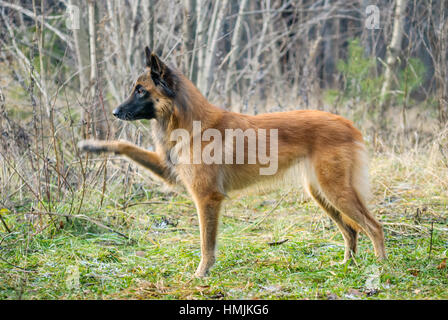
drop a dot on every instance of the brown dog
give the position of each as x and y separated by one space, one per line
325 148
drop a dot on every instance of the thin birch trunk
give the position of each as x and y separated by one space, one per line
121 32
92 44
235 49
81 75
393 51
40 43
188 34
206 77
203 40
261 42
200 40
148 8
96 127
80 64
130 48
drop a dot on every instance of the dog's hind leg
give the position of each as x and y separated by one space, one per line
145 158
355 213
349 234
340 182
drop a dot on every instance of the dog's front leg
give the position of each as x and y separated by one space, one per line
208 206
145 158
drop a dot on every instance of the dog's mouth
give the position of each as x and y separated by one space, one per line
134 112
127 116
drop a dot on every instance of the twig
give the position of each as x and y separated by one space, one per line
83 217
4 223
32 15
156 202
268 213
430 241
13 265
276 243
416 227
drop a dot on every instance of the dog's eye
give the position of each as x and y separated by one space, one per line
141 92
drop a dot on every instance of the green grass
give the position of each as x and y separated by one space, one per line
74 258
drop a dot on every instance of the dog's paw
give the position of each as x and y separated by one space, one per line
200 274
204 267
92 146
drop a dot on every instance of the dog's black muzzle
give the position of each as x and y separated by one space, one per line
135 110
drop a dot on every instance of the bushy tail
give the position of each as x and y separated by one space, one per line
360 177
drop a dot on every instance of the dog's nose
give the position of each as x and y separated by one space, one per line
116 112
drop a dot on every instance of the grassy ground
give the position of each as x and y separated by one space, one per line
89 257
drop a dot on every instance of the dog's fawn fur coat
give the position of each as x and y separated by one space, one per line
327 148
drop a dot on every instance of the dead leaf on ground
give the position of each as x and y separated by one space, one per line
202 288
442 265
414 272
354 292
140 253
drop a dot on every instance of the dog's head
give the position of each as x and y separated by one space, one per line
153 93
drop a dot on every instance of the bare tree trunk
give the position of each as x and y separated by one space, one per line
235 49
308 82
256 61
275 64
393 51
148 16
95 111
81 74
119 67
135 5
440 61
202 76
189 26
40 43
218 16
92 44
151 39
200 41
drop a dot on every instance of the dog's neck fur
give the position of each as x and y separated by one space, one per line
188 97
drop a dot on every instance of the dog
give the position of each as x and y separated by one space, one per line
323 150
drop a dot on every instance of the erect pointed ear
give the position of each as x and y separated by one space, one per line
158 68
161 74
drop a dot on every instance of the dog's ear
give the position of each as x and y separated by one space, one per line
161 74
157 66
